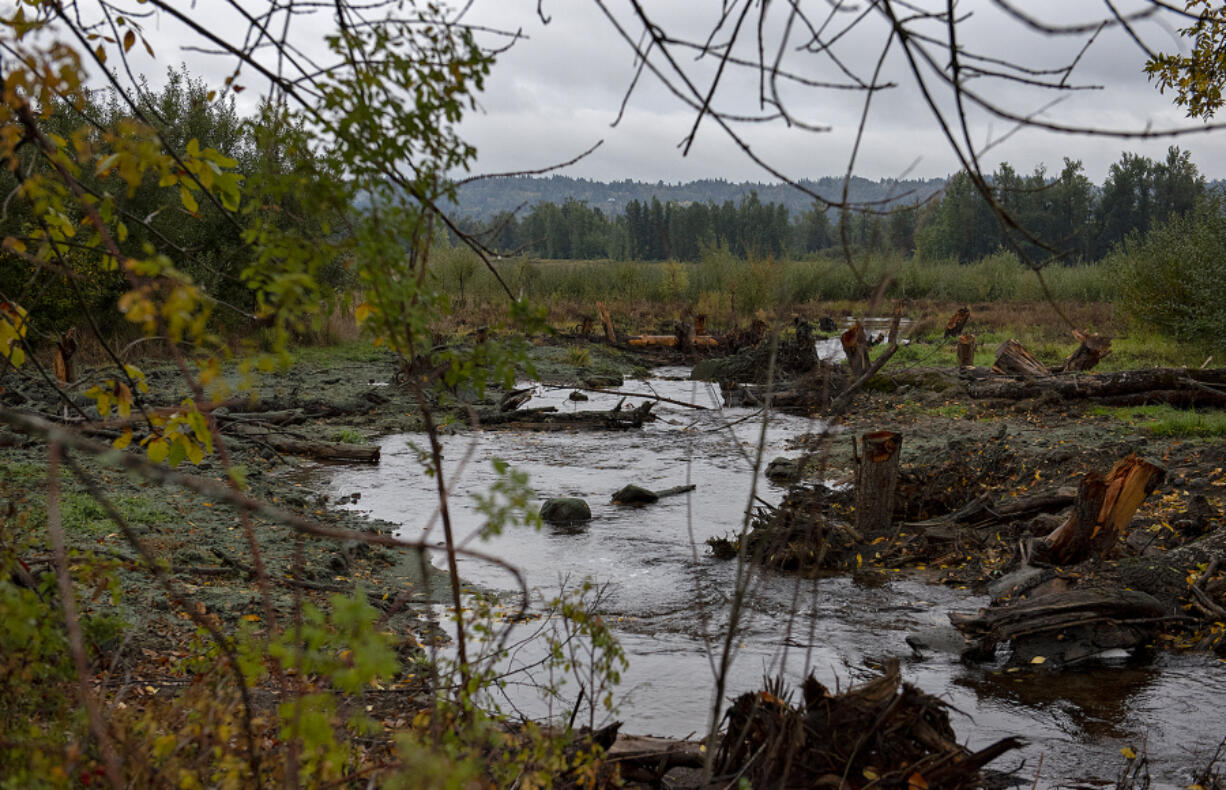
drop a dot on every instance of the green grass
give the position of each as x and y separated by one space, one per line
1167 421
350 351
348 436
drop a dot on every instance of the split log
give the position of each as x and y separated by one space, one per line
855 346
1193 383
966 351
1013 358
984 512
1091 351
1103 508
876 480
607 322
954 327
329 451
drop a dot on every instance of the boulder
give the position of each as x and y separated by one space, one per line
783 470
561 510
576 395
635 495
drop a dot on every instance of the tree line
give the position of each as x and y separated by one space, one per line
1066 218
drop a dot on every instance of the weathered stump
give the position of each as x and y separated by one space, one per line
876 480
1104 506
1012 357
61 363
607 322
954 327
966 351
1091 351
855 346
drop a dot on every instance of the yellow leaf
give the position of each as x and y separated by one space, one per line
189 201
129 39
870 774
251 618
1038 660
16 245
1128 753
917 781
859 561
157 450
363 312
124 440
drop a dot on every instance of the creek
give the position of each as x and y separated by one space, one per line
668 599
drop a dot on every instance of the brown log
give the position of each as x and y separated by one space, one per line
1013 358
671 340
966 351
331 451
954 327
1091 351
607 322
1104 506
876 480
855 346
1212 383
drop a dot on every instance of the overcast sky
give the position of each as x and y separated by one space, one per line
557 91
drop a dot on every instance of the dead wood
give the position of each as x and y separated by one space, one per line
966 351
957 321
899 732
1103 508
61 363
1156 383
1092 350
855 347
1013 358
876 481
607 322
549 419
330 451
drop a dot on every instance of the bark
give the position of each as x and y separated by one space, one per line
1013 358
855 346
1103 508
331 451
1166 384
548 419
876 481
1091 351
956 322
607 322
966 351
672 340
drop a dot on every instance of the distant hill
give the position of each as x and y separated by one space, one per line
486 198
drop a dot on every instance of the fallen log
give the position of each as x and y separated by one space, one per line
1012 357
1092 350
1209 384
1104 506
876 480
983 512
329 451
1063 628
705 341
615 419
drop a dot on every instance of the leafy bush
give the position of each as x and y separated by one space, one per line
1174 278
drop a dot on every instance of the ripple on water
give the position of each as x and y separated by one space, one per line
668 608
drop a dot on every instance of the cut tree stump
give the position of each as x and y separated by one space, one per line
966 351
1091 351
1104 506
1012 357
876 480
607 322
61 363
855 346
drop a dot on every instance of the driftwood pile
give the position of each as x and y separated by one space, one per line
884 733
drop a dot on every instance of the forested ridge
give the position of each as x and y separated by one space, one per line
1066 216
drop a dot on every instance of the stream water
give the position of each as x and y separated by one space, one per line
667 598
